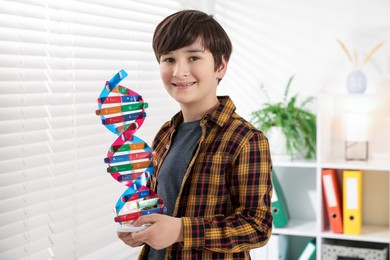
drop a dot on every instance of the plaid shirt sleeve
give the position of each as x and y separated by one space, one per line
250 187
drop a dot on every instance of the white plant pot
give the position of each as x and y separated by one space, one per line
277 142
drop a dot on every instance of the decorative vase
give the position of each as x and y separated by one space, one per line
277 143
356 82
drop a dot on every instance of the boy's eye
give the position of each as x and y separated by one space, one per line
194 58
168 60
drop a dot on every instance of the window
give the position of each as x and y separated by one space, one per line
55 56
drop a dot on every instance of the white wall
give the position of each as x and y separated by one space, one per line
275 39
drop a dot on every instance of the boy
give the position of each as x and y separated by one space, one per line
213 168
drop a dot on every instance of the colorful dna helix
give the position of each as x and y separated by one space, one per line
129 159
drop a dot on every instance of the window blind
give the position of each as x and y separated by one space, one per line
55 56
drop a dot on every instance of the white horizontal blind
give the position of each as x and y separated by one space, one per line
55 56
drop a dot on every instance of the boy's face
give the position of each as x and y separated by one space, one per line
189 75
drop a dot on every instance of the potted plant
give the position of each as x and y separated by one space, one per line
292 120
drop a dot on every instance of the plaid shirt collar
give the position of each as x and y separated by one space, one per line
220 115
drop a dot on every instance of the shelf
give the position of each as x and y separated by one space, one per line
375 165
295 163
354 96
301 181
298 228
378 234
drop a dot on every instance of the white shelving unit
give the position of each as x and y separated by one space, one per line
301 180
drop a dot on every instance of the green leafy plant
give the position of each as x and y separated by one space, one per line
296 121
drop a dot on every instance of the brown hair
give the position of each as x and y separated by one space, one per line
184 28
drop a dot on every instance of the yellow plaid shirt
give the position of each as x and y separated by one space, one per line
225 198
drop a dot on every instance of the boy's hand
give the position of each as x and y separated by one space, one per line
127 238
163 231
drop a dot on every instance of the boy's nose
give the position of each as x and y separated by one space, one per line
180 69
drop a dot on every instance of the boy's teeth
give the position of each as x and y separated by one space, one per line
183 84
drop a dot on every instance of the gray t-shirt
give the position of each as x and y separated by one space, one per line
173 168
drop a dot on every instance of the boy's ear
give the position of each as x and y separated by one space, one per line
222 68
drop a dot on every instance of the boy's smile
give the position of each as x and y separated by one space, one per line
190 77
183 84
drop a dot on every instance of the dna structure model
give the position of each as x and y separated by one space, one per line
129 159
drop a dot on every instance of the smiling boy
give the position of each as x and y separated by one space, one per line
213 167
186 76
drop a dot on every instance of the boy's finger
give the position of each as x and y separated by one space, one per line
147 219
122 235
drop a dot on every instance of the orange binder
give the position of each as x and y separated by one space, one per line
332 196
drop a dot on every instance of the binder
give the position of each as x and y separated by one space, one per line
332 197
309 251
279 206
352 201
